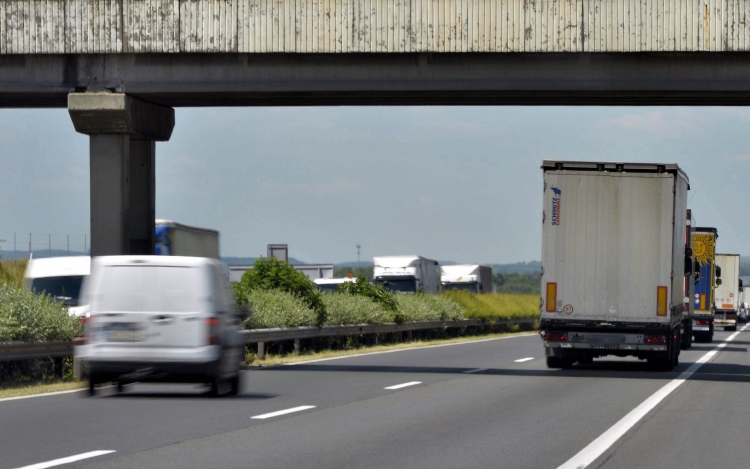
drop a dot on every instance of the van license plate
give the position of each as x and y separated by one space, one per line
121 333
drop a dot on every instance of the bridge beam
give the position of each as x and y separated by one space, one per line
122 134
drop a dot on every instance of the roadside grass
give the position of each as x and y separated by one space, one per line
251 358
501 305
11 272
28 389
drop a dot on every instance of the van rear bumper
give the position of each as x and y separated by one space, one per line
154 371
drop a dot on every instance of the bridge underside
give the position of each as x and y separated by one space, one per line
177 80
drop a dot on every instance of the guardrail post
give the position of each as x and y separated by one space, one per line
77 367
58 367
261 350
296 346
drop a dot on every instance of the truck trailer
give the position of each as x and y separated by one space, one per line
688 287
406 274
703 245
469 277
728 291
176 239
614 260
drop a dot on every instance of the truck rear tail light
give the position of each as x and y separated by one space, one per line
731 316
213 331
551 297
661 301
701 322
556 336
655 339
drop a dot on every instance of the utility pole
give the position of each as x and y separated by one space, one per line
358 247
15 255
84 243
50 244
29 245
68 244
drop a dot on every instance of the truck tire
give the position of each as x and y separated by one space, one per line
686 338
732 328
92 384
586 361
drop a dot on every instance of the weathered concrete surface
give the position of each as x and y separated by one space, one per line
116 113
382 79
372 26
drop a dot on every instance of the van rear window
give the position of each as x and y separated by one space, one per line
152 288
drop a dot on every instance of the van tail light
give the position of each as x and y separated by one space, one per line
655 339
213 331
556 336
86 323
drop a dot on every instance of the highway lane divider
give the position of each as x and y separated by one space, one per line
403 385
279 413
606 440
68 460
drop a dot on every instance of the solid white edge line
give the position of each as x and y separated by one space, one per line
403 385
401 350
283 412
56 393
596 448
69 459
521 360
478 370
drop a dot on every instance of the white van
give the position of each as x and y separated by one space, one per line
156 318
61 278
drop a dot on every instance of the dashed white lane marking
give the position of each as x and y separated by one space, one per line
283 412
69 459
597 447
521 360
478 370
404 385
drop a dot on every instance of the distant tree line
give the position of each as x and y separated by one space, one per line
517 283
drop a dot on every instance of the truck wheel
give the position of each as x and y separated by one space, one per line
566 363
733 328
586 361
92 385
554 362
234 383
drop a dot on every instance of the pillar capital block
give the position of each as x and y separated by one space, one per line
117 113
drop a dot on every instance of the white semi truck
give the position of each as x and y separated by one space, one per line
406 274
727 297
469 277
614 261
176 239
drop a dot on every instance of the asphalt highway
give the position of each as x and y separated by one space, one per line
490 404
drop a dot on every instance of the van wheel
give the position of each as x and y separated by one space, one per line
92 385
215 386
120 387
234 383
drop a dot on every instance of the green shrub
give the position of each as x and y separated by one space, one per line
501 305
272 274
26 316
421 307
344 308
375 293
276 308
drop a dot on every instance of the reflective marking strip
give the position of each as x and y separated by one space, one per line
521 360
283 412
399 386
69 459
551 297
596 448
661 301
703 302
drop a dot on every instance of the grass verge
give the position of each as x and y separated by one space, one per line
251 358
29 389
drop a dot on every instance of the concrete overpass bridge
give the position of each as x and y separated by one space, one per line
120 66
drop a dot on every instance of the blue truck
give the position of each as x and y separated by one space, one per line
707 275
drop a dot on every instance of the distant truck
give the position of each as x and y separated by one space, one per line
176 239
614 260
688 286
703 245
468 277
728 291
331 285
406 274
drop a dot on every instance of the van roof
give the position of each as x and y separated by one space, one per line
58 267
176 261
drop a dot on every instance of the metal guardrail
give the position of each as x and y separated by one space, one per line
11 351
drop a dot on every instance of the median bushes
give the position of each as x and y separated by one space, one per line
421 307
276 308
28 317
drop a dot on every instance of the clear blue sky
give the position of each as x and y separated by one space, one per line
452 183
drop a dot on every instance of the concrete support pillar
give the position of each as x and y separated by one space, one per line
122 132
